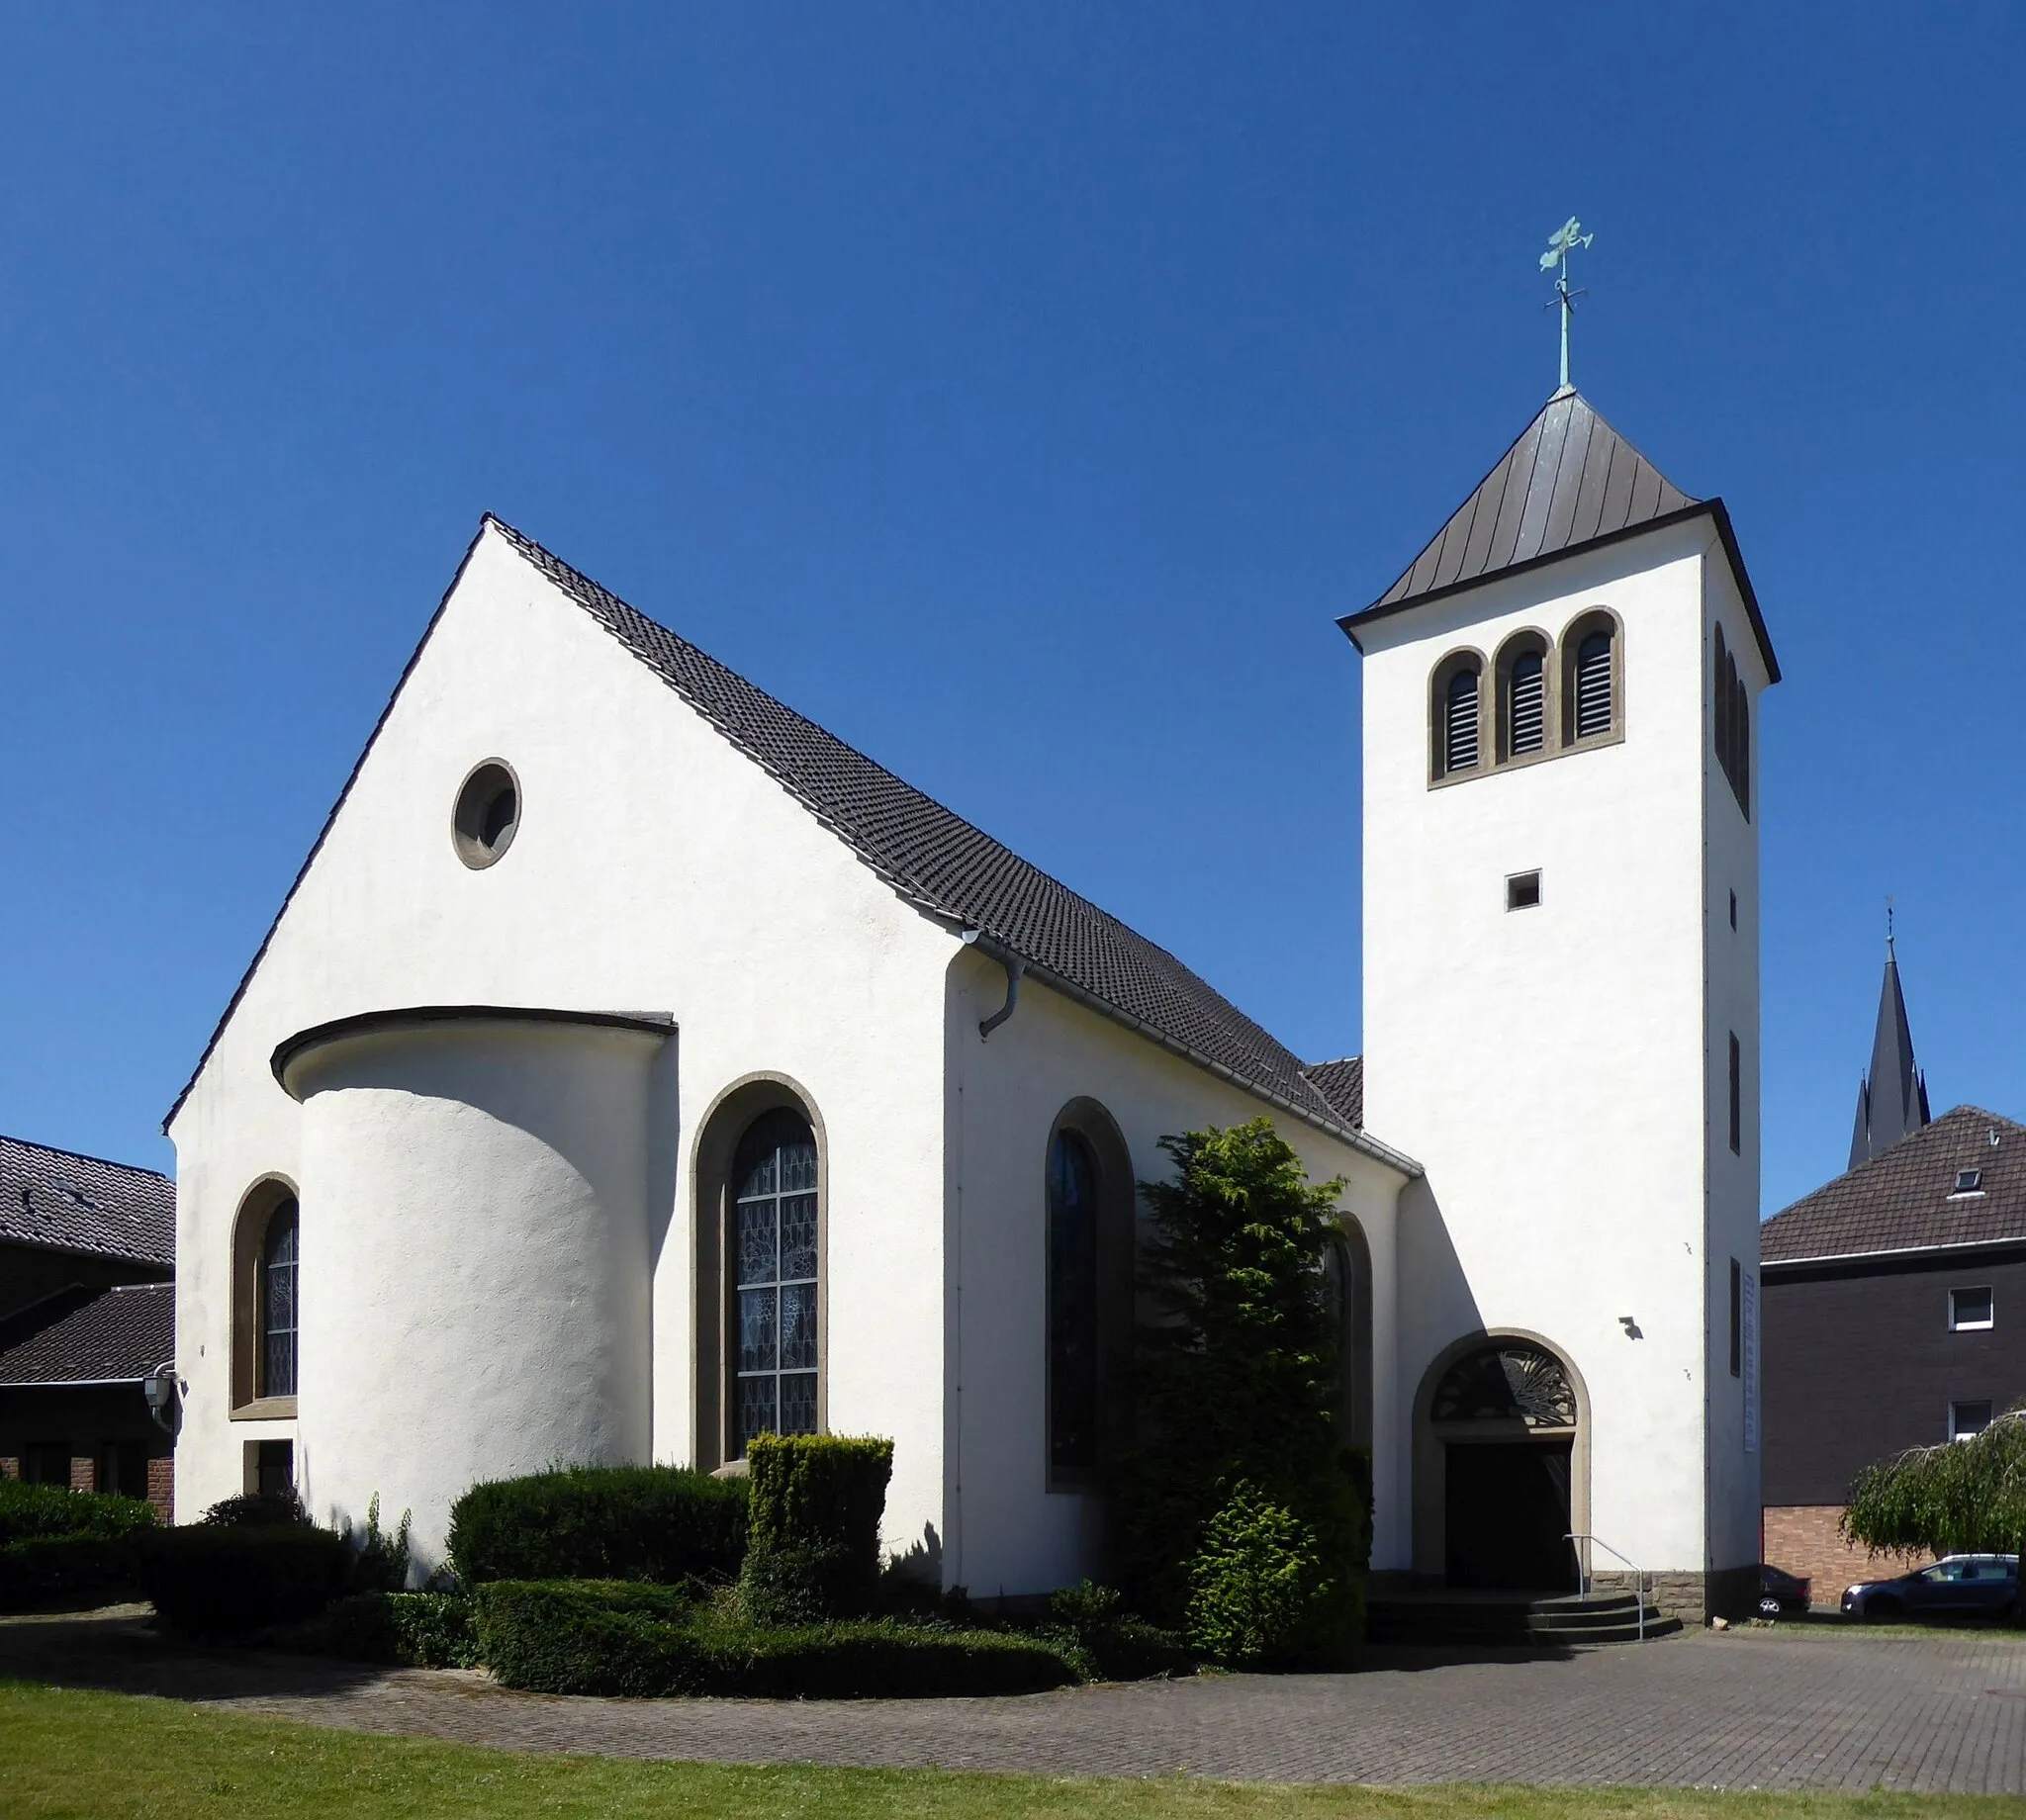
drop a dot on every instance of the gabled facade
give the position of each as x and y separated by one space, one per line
462 1175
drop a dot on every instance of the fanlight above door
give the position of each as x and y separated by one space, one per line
1506 1381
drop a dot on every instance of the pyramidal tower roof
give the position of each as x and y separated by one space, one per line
1570 481
1891 1099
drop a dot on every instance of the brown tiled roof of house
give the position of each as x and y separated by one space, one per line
118 1336
1909 1199
64 1202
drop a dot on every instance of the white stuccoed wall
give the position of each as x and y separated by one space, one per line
1007 1532
1550 1067
655 870
493 1179
1734 1005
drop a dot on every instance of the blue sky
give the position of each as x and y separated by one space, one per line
1020 391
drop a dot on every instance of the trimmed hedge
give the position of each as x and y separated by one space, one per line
206 1578
1112 1643
581 1637
421 1630
661 1523
814 1547
64 1570
30 1511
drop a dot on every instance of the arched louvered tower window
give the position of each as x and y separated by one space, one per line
1592 671
1455 715
1593 685
1522 697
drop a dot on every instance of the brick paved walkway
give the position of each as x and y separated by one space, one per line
1748 1710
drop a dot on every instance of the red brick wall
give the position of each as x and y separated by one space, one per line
10 1467
84 1473
161 1487
1803 1539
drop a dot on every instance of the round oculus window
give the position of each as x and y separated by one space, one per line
487 815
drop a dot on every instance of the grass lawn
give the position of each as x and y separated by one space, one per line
108 1755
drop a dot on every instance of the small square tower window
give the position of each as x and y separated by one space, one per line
1968 1418
1522 891
1968 1182
1733 909
1968 1309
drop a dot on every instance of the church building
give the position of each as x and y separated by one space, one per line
634 1067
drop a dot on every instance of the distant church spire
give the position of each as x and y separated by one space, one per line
1892 1100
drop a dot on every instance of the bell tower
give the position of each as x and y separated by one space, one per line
1561 1005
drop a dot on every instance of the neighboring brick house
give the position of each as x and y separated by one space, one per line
87 1309
1894 1317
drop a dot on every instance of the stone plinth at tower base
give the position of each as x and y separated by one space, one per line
1695 1598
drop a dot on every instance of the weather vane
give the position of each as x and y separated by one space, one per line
1567 237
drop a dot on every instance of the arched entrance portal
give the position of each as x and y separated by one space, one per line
1506 1459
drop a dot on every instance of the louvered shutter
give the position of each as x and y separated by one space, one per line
1524 712
1459 722
1593 685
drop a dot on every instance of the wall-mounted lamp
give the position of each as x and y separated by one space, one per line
160 1389
1630 1326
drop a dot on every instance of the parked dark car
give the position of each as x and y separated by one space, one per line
1781 1595
1957 1586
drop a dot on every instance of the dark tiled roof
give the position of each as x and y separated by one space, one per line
1569 480
1342 1084
940 862
1902 1201
123 1333
68 1203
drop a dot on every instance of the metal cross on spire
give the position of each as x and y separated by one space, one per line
1565 240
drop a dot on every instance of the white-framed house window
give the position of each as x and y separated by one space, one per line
1970 1310
1968 1418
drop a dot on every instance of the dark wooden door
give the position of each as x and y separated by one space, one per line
1507 1515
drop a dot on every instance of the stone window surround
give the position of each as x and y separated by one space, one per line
257 1206
1558 705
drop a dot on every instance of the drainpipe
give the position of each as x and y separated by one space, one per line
1016 968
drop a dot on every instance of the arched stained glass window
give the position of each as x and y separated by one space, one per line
278 1303
1072 1309
775 1232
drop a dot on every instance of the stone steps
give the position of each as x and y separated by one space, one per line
1512 1619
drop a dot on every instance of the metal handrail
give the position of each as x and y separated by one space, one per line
1584 1573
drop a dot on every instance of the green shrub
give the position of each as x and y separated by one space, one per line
1114 1644
31 1510
661 1523
422 1630
581 1637
813 1552
1262 1595
380 1563
257 1511
1238 1379
65 1570
222 1577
